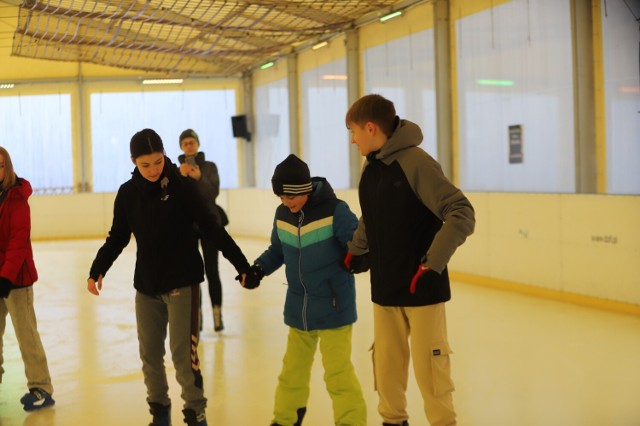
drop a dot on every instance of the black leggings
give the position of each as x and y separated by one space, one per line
210 255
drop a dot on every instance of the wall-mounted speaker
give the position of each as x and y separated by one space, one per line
240 127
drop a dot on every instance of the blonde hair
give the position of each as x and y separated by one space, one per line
9 175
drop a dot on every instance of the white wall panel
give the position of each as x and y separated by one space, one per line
525 243
474 256
601 246
85 215
583 244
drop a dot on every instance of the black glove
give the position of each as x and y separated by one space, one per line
254 275
5 287
258 271
355 264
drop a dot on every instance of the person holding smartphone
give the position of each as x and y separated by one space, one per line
205 173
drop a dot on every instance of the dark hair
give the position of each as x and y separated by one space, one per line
145 142
373 108
9 175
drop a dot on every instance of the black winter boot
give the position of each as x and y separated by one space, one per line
193 419
301 412
161 414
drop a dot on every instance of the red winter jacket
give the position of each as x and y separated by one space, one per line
16 255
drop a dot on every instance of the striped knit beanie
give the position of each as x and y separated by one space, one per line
292 177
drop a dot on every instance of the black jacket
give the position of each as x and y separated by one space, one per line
411 215
161 219
209 186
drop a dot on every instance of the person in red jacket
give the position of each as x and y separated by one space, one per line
17 275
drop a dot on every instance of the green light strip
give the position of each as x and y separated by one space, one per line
391 16
495 82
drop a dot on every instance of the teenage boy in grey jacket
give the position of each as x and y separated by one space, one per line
413 219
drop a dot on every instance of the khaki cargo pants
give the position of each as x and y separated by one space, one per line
402 333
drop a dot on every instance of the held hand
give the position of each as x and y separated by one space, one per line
356 264
94 286
195 173
185 169
251 279
242 277
414 281
243 280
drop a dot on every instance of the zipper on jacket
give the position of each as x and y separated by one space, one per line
304 288
377 198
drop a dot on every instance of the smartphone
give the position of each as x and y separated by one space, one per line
190 160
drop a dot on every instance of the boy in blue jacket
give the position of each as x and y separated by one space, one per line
310 234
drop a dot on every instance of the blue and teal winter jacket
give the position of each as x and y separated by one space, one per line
311 244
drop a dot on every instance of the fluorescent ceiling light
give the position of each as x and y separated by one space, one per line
334 77
320 45
7 85
629 89
163 81
391 16
267 65
495 82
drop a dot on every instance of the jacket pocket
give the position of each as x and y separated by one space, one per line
441 369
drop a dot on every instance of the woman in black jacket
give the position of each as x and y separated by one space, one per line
205 175
159 206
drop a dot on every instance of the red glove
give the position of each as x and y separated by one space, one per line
347 260
354 263
421 270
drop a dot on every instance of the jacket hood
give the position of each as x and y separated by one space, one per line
406 135
22 189
322 191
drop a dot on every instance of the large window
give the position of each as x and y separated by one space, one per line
622 96
515 69
36 130
402 71
271 137
115 117
326 139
